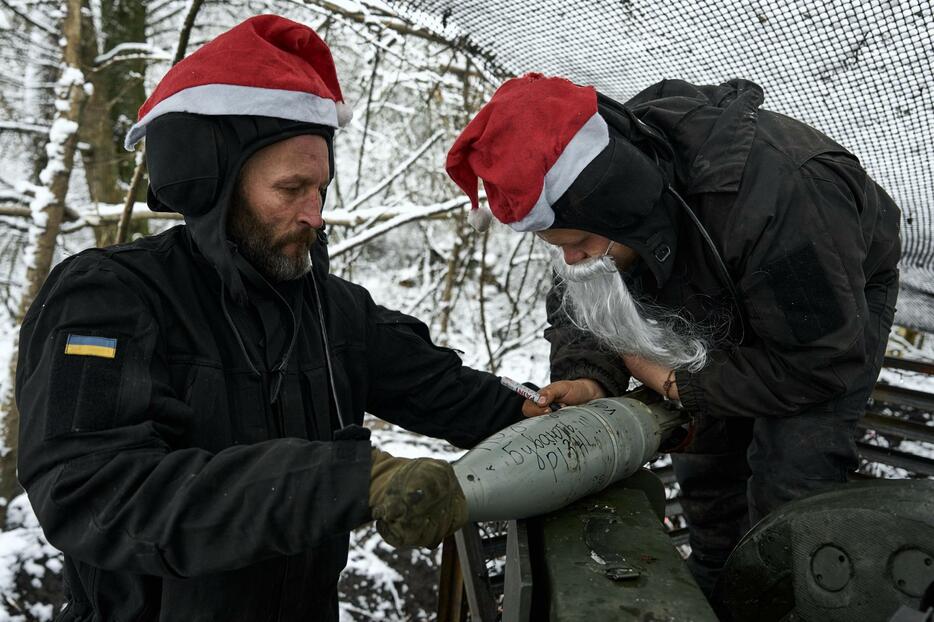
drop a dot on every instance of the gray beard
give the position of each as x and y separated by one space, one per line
597 301
261 248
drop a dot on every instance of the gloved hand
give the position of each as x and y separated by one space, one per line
415 502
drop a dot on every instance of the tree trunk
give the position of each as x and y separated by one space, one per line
111 108
47 207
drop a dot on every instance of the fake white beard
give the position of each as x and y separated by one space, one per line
597 300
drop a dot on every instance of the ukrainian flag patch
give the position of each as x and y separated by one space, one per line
86 345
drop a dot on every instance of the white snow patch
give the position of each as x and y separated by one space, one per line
42 198
404 444
904 379
8 339
20 546
70 76
362 557
41 612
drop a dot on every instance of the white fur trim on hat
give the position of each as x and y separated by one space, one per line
344 113
587 143
223 99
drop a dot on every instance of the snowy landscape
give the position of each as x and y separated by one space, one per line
397 224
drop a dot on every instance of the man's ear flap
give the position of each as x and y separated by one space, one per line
183 157
617 189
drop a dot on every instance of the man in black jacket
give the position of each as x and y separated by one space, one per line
191 402
726 256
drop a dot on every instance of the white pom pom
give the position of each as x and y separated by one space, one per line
480 218
344 113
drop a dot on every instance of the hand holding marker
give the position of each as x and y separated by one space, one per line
526 392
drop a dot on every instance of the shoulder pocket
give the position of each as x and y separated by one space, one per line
84 385
795 293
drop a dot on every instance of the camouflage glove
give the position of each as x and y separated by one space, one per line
415 502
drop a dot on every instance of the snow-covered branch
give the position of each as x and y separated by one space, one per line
138 50
25 15
407 215
22 127
403 166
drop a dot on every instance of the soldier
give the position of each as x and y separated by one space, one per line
191 401
728 257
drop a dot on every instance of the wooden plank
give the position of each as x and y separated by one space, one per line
517 590
887 424
903 397
893 457
924 367
476 579
450 584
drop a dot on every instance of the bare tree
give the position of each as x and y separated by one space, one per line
47 209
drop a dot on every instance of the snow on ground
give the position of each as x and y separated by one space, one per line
27 563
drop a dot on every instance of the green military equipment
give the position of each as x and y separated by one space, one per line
608 557
859 552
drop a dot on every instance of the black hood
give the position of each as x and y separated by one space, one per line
671 137
622 194
194 161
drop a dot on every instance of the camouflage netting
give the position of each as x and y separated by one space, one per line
860 71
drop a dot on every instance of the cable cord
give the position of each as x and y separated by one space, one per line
327 348
721 266
236 332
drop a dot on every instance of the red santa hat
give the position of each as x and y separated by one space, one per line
528 144
266 66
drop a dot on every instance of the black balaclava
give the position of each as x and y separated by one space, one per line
194 162
622 193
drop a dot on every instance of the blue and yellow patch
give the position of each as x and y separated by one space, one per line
86 345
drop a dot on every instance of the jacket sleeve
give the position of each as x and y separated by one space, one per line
426 389
577 354
803 250
99 455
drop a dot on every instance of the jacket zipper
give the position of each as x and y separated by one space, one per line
279 417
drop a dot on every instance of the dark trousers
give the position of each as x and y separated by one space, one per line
738 470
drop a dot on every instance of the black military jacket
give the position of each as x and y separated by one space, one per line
184 470
808 239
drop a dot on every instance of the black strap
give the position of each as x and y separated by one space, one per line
721 267
327 349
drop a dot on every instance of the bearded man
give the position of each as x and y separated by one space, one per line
725 256
191 402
